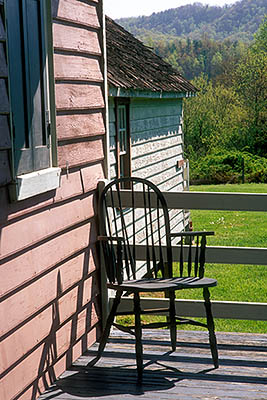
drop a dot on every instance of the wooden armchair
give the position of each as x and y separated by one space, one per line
146 222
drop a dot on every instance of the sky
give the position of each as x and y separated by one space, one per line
134 8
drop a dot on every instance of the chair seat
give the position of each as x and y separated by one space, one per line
154 285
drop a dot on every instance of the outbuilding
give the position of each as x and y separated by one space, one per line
145 106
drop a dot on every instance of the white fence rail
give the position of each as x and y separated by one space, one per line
204 200
220 254
195 308
215 254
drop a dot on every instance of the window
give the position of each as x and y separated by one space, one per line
29 61
123 137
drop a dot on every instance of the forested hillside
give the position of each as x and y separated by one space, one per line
223 51
200 56
236 22
225 125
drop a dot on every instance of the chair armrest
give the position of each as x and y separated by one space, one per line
111 238
192 233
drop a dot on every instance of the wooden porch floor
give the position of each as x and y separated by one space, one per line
186 374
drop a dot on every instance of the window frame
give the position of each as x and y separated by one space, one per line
122 108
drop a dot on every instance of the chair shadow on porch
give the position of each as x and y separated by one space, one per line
112 380
183 374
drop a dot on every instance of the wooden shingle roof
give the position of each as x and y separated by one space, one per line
132 65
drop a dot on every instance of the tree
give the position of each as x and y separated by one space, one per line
261 37
251 85
213 120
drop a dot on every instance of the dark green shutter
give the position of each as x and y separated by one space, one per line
27 55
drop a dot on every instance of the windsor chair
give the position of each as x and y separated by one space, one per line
146 222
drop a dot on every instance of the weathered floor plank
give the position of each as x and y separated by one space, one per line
186 374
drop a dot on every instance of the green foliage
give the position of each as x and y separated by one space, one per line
198 39
228 167
238 21
261 36
193 58
212 120
227 120
251 85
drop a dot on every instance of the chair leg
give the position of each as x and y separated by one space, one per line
106 332
138 337
172 320
210 323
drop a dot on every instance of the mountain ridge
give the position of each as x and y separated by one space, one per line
238 21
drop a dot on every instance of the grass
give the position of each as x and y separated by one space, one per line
241 188
235 282
234 228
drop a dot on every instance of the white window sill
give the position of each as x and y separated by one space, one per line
34 183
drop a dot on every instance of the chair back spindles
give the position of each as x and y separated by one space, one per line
189 265
192 248
196 257
202 256
146 230
119 261
160 264
181 257
113 215
146 224
152 233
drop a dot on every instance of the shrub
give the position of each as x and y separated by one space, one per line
228 167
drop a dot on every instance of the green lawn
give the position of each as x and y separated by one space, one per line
241 188
235 228
235 282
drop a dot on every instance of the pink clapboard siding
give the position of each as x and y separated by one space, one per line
72 185
36 361
37 386
49 290
61 248
76 96
45 224
80 125
75 68
68 38
78 153
77 12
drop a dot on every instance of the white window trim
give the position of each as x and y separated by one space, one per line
34 183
